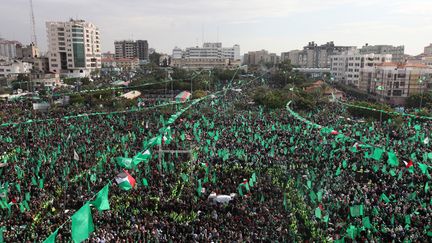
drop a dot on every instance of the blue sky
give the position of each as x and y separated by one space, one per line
274 25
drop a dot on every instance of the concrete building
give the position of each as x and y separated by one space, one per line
74 48
132 49
394 82
204 63
260 57
11 68
346 67
29 51
120 63
209 56
428 50
314 56
397 52
211 51
8 48
177 53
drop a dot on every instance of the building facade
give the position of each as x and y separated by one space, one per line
260 57
346 67
120 63
74 48
394 82
8 48
209 56
132 49
428 50
11 68
397 52
314 55
204 63
211 51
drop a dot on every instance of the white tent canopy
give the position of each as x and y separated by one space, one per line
131 95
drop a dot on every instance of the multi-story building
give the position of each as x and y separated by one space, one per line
142 50
212 51
177 53
29 51
346 67
9 48
210 55
11 68
260 57
394 82
132 49
204 63
314 56
120 63
74 47
397 52
428 50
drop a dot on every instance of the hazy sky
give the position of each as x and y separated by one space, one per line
275 25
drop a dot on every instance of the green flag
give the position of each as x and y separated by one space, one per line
145 182
338 171
366 222
82 224
392 159
377 154
356 210
51 238
101 202
384 198
318 213
124 162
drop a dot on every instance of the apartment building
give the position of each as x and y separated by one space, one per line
346 67
397 52
394 82
74 48
132 49
8 48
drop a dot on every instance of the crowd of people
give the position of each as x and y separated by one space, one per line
289 180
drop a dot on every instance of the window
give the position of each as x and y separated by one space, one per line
397 92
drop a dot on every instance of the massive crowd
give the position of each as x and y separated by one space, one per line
309 181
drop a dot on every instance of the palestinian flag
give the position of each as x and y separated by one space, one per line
408 164
125 181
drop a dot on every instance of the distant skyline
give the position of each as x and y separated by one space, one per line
274 25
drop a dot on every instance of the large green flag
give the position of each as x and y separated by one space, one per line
124 162
356 210
377 154
384 198
366 223
82 224
51 238
145 156
392 159
101 202
318 213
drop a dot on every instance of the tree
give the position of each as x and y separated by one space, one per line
154 58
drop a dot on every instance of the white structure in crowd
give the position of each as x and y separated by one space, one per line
74 48
208 56
9 48
346 67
